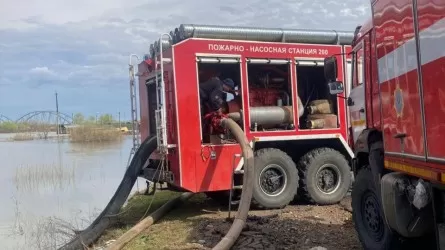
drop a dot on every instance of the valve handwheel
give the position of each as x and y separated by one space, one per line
215 119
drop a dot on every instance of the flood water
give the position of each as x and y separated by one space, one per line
49 183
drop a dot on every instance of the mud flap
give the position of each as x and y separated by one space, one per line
439 215
376 162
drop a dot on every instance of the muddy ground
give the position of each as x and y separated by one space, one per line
200 223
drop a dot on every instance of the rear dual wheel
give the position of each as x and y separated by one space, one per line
325 176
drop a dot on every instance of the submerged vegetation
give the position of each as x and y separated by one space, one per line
44 232
46 177
41 176
26 136
93 133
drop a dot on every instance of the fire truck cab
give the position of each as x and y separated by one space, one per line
299 132
397 115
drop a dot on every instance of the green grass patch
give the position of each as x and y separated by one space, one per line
172 230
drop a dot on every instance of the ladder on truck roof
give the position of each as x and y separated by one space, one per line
134 115
161 113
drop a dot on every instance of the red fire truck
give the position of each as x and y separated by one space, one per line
397 111
298 130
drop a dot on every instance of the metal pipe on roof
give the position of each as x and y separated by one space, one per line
177 36
172 34
165 45
265 34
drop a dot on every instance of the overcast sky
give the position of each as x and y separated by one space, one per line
80 48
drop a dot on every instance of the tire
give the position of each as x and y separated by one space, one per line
270 194
315 163
365 196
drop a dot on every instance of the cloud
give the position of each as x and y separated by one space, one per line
41 71
82 47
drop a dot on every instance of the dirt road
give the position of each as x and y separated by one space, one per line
201 223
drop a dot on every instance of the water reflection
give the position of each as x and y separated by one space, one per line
51 187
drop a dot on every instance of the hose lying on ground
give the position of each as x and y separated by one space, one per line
93 232
243 209
148 221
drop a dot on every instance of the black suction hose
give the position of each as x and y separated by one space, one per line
101 223
240 219
93 232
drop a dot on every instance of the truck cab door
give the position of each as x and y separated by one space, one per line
356 100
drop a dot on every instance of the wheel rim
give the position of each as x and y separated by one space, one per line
272 180
328 178
371 216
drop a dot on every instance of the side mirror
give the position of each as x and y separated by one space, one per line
335 87
330 69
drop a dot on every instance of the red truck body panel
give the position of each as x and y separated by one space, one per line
405 95
432 39
189 160
399 85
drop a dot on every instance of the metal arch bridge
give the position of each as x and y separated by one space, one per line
45 117
5 119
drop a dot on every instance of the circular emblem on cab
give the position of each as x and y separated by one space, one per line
398 101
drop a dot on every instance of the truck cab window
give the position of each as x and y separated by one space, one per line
359 72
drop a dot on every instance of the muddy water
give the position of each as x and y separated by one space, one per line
48 186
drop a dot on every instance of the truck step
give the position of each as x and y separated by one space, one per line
237 187
241 171
234 203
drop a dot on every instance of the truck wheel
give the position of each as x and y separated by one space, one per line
276 179
325 176
368 216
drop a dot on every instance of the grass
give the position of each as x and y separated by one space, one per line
46 233
93 133
41 232
176 230
32 177
26 136
8 127
159 236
